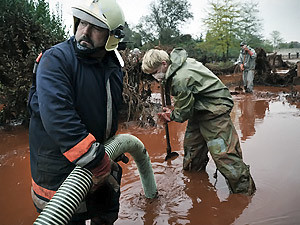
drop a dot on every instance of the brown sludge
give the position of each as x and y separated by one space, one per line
268 126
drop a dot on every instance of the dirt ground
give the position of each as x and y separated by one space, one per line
268 126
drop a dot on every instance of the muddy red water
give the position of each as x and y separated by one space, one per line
269 129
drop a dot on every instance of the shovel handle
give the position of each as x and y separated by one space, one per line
163 100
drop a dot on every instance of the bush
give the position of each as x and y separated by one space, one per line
26 28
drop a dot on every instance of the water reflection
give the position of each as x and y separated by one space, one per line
253 110
270 147
207 206
184 197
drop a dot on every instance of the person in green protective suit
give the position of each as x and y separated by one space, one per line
201 98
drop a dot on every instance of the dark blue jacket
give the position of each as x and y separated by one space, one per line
68 113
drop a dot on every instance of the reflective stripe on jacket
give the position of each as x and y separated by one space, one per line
68 113
195 88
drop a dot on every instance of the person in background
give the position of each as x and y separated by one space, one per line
246 61
74 104
205 102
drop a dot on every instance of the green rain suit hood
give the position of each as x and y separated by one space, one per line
195 89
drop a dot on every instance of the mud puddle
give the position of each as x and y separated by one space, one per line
269 128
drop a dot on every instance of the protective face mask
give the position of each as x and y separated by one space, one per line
159 76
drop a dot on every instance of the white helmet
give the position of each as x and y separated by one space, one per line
103 13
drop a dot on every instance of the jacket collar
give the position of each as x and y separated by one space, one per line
178 57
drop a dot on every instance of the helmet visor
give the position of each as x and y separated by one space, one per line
87 17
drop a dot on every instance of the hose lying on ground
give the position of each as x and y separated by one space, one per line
60 209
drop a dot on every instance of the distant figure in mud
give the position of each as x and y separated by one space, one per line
202 99
246 61
74 106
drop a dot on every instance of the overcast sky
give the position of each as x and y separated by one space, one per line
283 16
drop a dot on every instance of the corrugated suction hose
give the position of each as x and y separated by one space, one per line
60 209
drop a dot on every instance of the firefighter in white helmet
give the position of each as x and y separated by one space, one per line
74 106
100 15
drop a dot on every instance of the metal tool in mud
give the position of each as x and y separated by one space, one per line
170 154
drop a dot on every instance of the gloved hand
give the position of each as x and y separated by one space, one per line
165 115
101 172
242 67
111 178
246 49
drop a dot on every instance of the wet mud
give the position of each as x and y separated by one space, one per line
268 126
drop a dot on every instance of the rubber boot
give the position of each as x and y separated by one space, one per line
245 184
